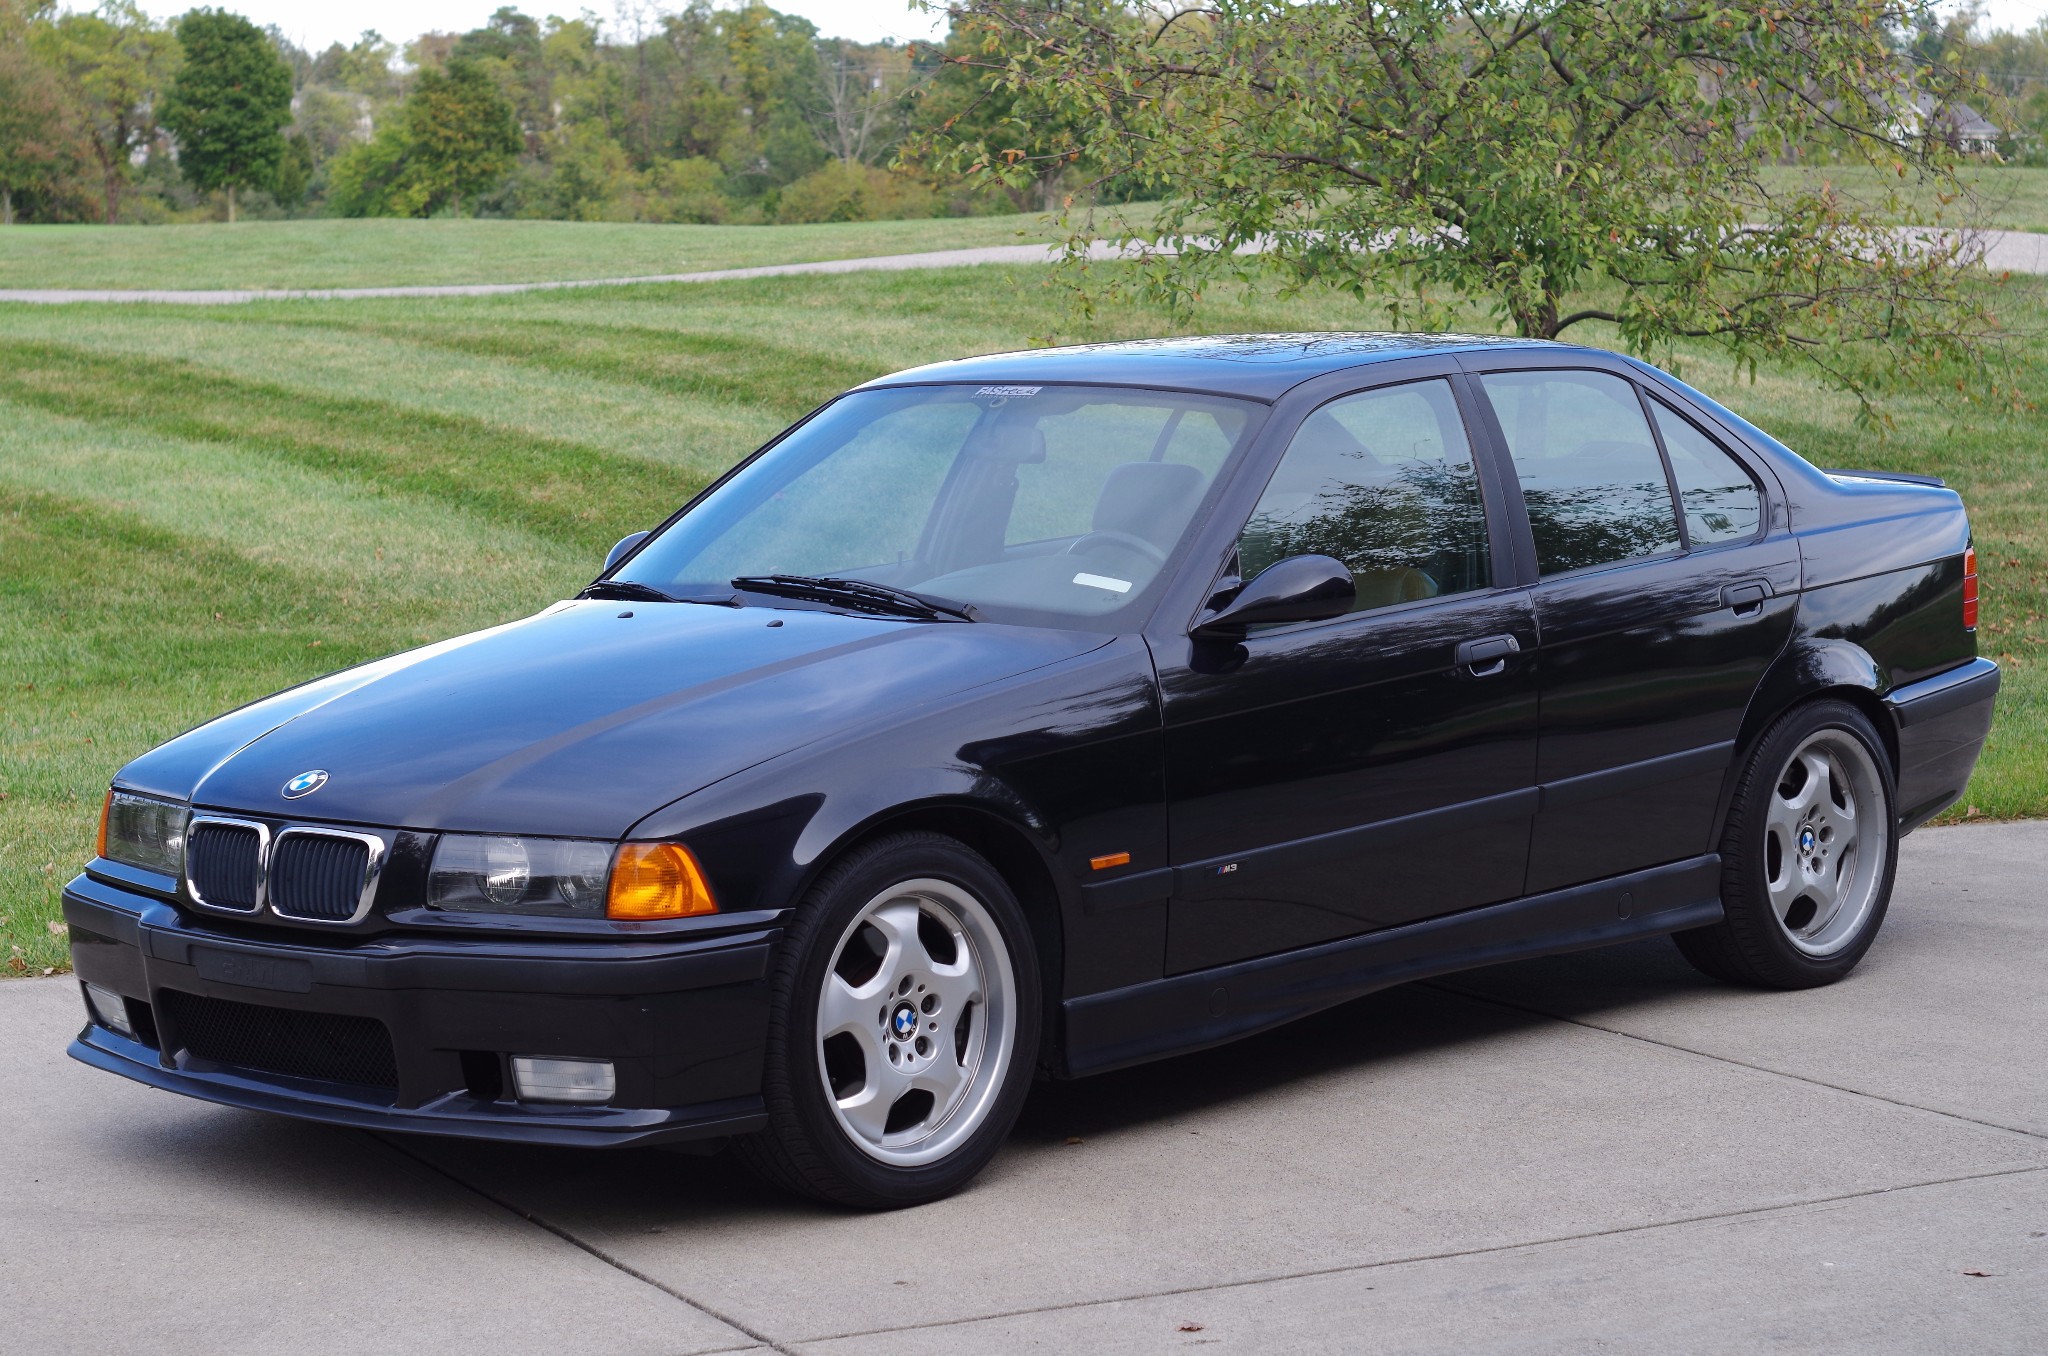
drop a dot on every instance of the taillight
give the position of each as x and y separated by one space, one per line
1970 589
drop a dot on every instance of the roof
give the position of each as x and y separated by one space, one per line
1262 366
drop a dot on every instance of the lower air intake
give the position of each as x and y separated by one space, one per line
320 1045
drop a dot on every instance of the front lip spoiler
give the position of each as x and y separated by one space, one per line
456 1115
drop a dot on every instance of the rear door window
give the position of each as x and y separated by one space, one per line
1590 471
1719 499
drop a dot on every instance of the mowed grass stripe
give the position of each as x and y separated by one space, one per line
335 350
785 379
371 550
555 489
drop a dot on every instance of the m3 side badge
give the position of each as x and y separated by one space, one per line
305 784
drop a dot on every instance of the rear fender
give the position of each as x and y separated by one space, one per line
1810 667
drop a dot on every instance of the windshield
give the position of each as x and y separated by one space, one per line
1044 505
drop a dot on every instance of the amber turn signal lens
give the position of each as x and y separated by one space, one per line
106 809
657 880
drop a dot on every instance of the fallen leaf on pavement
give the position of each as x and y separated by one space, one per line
1977 1273
1189 1327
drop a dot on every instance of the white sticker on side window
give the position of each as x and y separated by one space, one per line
1103 581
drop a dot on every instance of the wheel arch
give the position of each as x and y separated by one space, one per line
1016 852
1811 670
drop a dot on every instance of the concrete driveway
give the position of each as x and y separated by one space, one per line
1599 1152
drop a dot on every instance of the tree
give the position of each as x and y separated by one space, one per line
111 62
453 138
229 104
33 133
967 101
857 108
1562 163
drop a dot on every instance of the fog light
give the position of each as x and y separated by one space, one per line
539 1079
109 1009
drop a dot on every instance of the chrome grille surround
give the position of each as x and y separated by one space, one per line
221 825
295 861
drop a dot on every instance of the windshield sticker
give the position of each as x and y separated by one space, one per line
1010 392
1102 581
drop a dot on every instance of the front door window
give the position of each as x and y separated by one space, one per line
1384 482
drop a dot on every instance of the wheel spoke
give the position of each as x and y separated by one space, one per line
897 922
845 1008
1787 888
867 1111
1814 790
944 1079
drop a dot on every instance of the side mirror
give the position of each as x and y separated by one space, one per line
1297 589
623 549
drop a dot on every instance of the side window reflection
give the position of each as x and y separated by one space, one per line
1384 482
1590 473
1718 498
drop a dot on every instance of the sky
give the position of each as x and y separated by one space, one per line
313 24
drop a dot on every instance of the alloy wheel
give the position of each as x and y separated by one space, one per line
916 1022
1824 851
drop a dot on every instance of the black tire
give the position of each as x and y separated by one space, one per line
1752 945
806 1148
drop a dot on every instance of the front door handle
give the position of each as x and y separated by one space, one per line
1487 656
1746 599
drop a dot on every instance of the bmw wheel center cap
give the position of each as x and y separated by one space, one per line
903 1022
305 784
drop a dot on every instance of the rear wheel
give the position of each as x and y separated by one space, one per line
904 1027
1807 856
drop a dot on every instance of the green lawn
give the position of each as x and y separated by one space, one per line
2009 197
293 254
199 506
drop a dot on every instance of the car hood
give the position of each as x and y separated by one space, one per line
582 720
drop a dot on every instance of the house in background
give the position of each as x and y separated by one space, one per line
1958 125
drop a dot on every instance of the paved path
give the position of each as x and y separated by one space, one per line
2004 251
1598 1152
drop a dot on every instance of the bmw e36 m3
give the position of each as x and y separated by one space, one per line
1040 714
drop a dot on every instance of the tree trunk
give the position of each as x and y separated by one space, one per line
1535 317
231 204
6 207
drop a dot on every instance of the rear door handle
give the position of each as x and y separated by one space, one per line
1746 599
1485 657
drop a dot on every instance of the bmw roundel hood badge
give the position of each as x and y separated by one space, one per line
305 784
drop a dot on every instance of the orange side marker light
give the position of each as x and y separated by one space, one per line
657 880
1109 859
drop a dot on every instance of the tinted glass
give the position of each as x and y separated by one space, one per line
1719 500
1040 505
1384 482
1590 472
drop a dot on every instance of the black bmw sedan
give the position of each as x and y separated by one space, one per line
1039 714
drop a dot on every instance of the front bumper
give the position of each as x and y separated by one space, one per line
1942 722
684 1022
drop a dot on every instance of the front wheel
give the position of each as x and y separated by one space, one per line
904 1027
1807 856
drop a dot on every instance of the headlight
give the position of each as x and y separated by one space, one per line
475 873
567 878
141 831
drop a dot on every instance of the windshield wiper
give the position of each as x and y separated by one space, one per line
858 594
627 591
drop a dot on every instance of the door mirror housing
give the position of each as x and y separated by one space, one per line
1297 589
623 549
